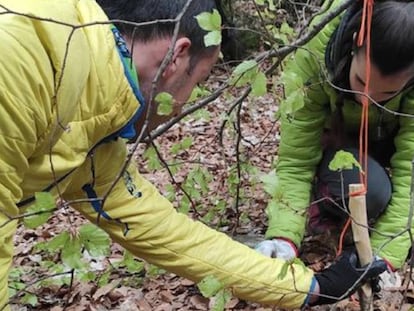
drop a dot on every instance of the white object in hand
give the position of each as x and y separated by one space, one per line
276 248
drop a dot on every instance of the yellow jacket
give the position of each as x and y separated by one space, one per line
60 114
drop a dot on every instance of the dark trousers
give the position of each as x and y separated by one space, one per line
334 185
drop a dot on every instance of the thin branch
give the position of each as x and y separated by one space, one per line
38 280
163 66
76 26
284 51
21 216
165 164
201 104
238 164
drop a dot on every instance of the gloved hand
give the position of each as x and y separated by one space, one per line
277 248
389 279
343 275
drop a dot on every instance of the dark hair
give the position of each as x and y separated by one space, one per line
140 11
392 46
392 39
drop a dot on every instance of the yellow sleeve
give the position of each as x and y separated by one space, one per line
146 224
18 138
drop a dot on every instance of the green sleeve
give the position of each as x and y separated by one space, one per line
387 237
300 149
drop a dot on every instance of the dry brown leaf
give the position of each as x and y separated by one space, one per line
186 282
105 289
129 305
164 307
166 296
232 303
143 305
200 302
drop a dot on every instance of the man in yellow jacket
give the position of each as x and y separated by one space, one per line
70 97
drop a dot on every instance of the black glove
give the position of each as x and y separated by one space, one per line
344 274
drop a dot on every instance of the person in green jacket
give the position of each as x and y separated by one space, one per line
331 70
74 89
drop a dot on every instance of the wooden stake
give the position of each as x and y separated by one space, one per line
357 208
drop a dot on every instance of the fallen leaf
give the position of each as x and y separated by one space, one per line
143 305
102 291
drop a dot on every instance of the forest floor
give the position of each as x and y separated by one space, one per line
154 289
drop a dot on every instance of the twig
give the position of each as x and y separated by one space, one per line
165 164
163 66
238 165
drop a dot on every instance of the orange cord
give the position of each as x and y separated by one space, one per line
363 135
364 35
341 237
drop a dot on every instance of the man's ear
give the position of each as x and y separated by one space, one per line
180 58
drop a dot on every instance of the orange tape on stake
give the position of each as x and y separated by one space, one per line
364 36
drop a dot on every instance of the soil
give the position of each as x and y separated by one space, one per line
164 291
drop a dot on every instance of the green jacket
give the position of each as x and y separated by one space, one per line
300 152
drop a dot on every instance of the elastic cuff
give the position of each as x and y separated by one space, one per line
389 265
310 293
290 243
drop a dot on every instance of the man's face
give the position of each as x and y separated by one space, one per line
182 82
178 78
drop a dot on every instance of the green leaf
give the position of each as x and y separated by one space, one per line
209 21
59 241
170 192
187 142
71 253
29 299
259 85
216 20
295 93
176 148
212 38
293 102
286 29
284 270
104 278
220 300
175 166
240 71
132 264
43 206
201 178
292 81
184 207
95 240
153 270
165 103
343 160
272 5
209 286
198 92
15 273
153 161
181 146
15 283
300 263
86 276
204 21
202 114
